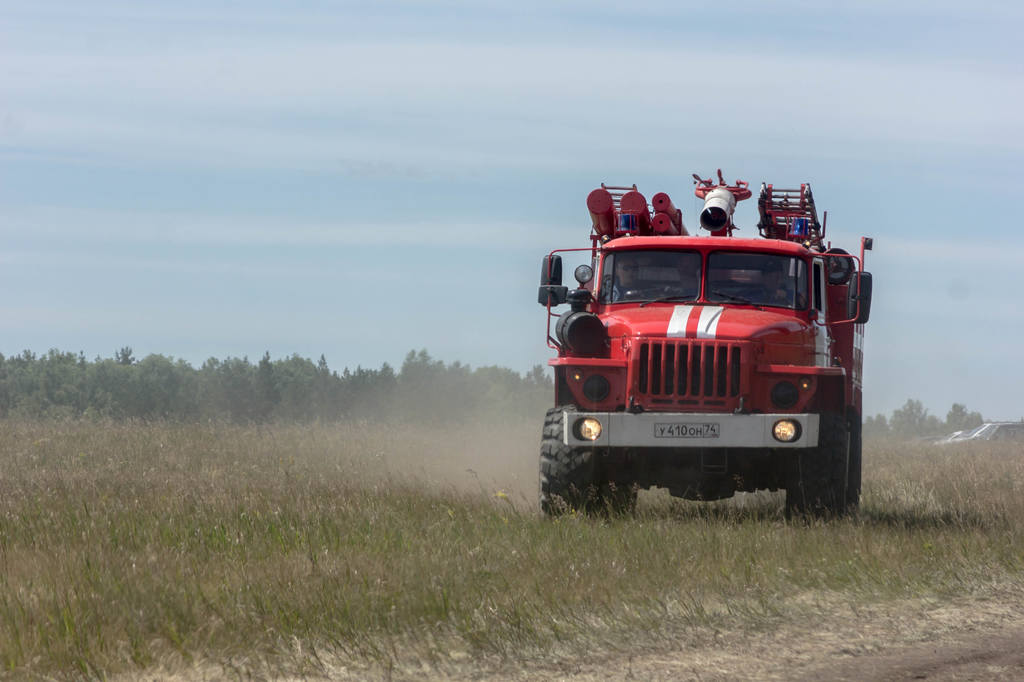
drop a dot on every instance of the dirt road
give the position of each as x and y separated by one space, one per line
978 638
975 638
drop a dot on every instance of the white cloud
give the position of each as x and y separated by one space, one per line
520 105
123 228
967 253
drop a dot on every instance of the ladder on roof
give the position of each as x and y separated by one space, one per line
617 193
789 214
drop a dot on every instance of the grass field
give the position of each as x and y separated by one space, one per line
351 549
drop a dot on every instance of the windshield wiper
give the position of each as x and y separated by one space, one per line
733 297
664 299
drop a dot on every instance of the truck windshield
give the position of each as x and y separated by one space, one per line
650 276
757 278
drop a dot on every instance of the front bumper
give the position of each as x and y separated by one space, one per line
688 430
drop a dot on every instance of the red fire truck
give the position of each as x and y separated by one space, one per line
706 365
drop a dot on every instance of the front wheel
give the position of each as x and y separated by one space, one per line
572 478
818 478
567 474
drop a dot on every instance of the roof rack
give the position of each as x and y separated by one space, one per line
789 214
618 192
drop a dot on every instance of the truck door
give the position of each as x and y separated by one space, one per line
819 305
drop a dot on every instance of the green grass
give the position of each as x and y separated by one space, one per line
291 549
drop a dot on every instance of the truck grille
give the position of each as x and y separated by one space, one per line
689 369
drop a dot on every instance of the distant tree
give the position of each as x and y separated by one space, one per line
540 377
959 419
913 420
298 388
234 394
163 389
368 393
267 395
5 390
876 427
61 386
124 356
111 393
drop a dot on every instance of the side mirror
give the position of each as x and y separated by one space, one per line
859 291
552 294
551 270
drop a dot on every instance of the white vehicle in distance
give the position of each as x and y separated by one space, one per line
989 431
949 439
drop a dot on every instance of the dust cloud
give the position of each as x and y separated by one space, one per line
492 458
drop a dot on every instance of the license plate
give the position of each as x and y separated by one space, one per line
706 430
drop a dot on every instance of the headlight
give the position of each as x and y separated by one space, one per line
596 388
786 430
583 274
587 428
784 395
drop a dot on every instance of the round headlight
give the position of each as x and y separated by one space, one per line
583 274
786 430
588 428
785 395
596 388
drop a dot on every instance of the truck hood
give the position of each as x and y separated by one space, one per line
698 321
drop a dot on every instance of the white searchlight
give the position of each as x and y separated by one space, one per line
716 215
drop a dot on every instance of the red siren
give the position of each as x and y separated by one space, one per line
635 204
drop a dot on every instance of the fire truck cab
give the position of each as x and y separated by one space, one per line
706 365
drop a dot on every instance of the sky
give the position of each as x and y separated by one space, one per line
360 179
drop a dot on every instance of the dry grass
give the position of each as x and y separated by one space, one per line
296 549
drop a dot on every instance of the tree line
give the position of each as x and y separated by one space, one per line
63 384
913 421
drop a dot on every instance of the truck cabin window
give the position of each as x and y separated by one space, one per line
650 276
757 279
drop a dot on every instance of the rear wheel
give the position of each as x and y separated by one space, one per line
817 480
854 466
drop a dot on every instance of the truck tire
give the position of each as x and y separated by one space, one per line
572 478
854 467
567 474
816 483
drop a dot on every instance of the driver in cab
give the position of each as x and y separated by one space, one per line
777 287
628 283
648 276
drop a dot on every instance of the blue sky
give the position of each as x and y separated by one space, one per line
362 178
